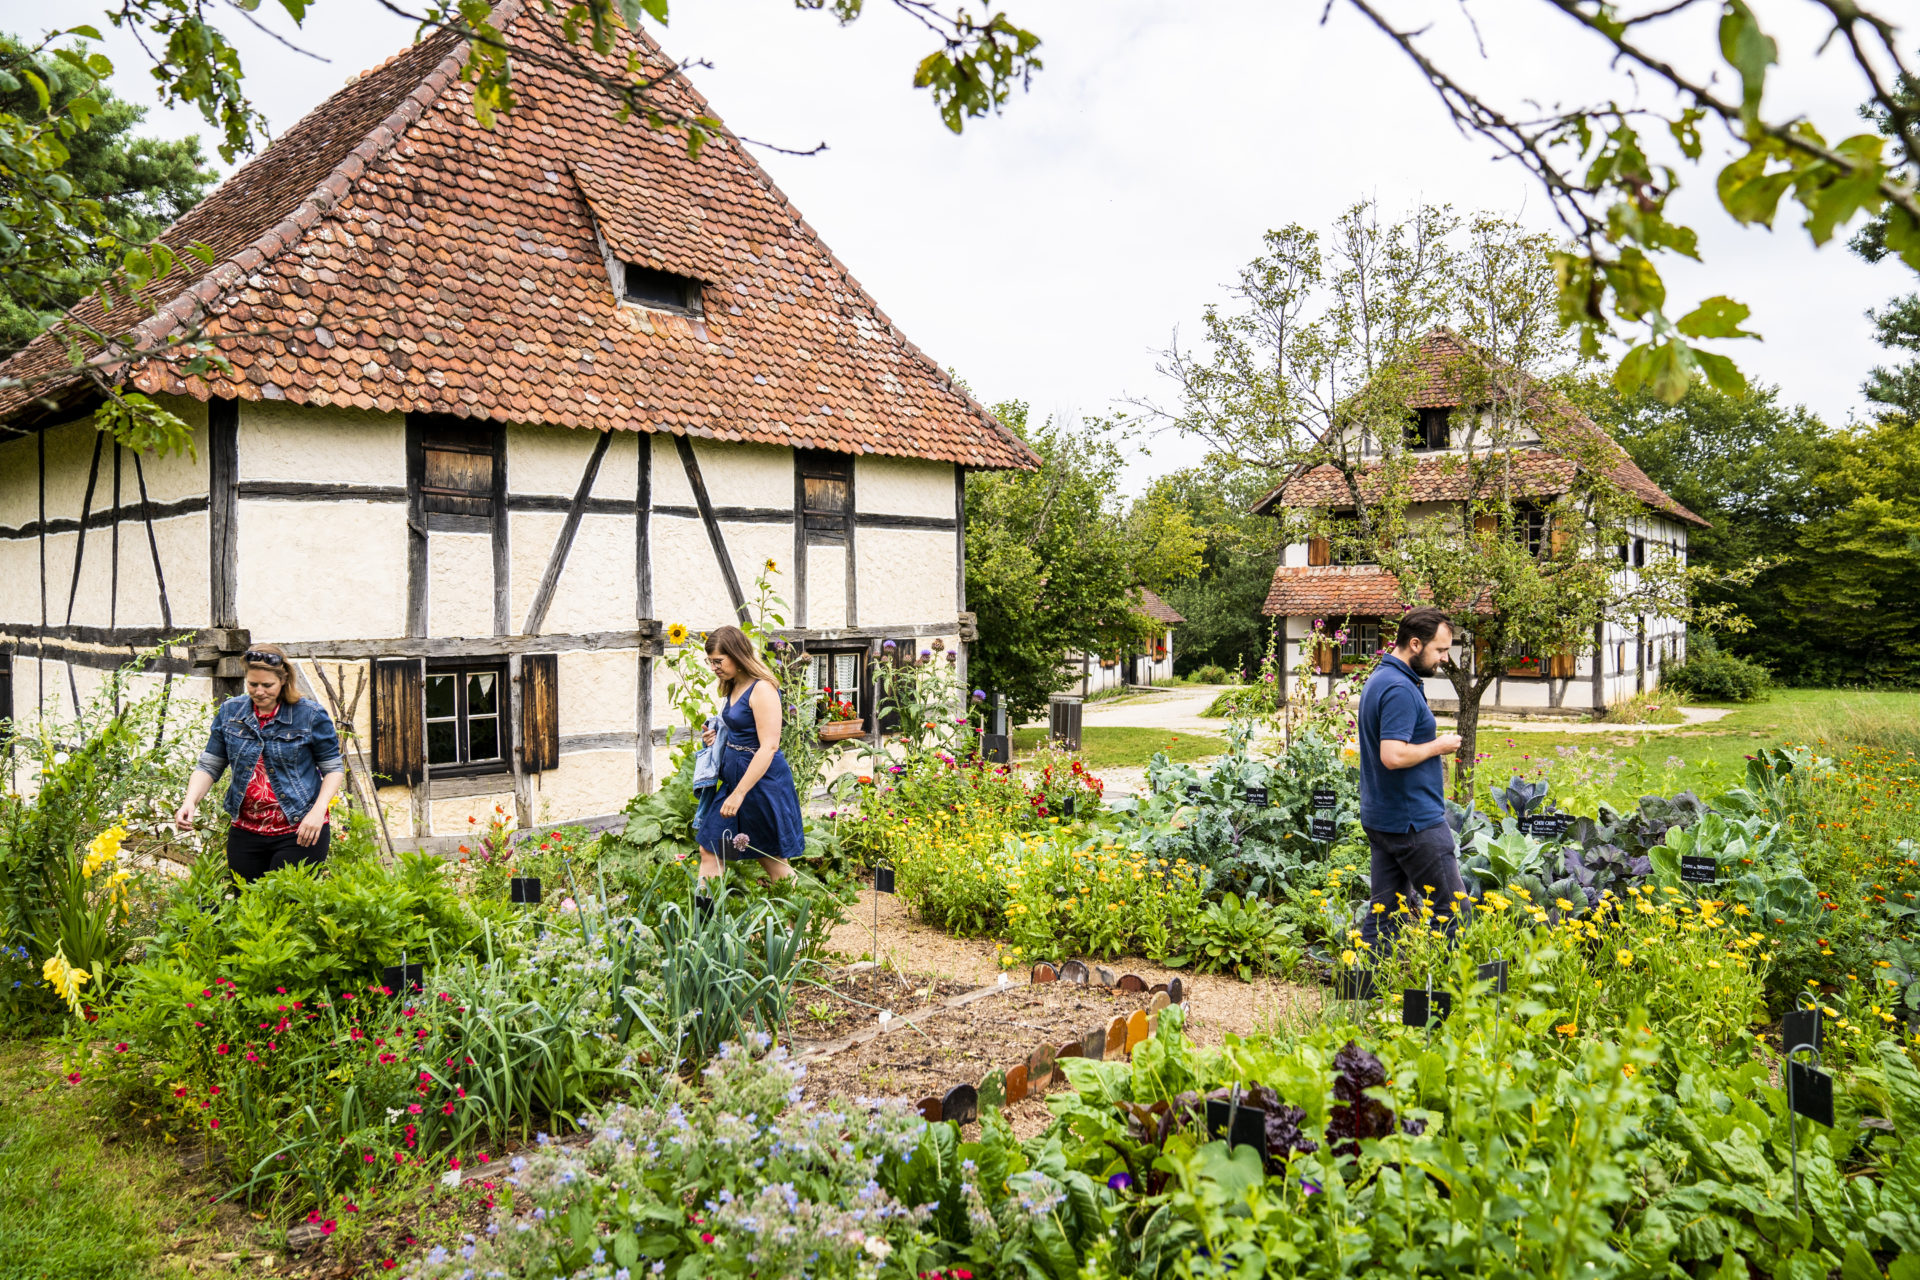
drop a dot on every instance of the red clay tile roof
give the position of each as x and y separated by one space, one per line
1539 472
1157 609
388 253
1364 591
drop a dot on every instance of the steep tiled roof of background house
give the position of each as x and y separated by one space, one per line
388 253
1157 609
1335 591
1537 472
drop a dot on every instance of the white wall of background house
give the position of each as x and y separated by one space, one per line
1624 660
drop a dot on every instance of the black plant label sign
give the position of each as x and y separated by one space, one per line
1699 869
1325 799
1526 825
1810 1092
883 879
1801 1028
1194 790
1249 1124
996 748
1066 806
1419 1007
1353 984
398 977
1323 828
1494 971
1257 797
524 890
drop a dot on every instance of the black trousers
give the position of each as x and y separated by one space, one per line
1417 866
251 855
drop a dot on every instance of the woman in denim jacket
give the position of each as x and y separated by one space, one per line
286 766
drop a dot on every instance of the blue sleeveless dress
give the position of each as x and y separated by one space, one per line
770 814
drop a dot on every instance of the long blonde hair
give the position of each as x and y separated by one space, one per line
748 664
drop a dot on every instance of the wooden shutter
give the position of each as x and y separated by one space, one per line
1562 536
1560 665
1323 655
539 712
1319 551
399 731
1482 654
1486 524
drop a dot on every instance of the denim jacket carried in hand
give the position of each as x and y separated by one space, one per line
300 744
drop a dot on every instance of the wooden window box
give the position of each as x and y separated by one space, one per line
840 730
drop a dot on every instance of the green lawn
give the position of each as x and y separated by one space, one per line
1124 746
1714 755
87 1196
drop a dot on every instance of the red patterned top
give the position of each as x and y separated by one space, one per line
260 809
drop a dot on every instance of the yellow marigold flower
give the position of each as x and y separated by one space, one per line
1568 1029
1346 957
1563 904
1625 958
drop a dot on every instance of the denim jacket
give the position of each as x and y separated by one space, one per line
300 745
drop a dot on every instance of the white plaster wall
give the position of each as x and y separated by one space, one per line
745 475
459 584
530 536
903 486
449 817
588 784
551 460
619 477
283 441
328 570
179 474
826 585
599 693
906 575
595 590
183 543
751 546
687 586
670 487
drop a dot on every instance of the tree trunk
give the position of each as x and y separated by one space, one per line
1467 691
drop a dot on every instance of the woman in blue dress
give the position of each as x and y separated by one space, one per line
759 812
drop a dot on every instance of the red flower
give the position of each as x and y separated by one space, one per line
73 1077
447 1111
413 1108
387 1264
328 1227
706 1237
180 1091
214 1123
213 1089
221 1048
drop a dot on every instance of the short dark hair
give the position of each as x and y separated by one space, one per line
1420 624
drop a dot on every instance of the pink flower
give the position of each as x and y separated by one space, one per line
328 1227
122 1047
413 1108
706 1237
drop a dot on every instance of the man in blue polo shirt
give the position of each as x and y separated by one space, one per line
1403 783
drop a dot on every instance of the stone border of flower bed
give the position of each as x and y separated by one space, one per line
1030 1077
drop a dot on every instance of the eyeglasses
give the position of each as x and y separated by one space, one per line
261 658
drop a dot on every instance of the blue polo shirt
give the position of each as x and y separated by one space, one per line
1394 706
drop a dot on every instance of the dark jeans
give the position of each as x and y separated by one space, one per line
251 855
1418 866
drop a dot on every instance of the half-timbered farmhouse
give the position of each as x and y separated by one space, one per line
504 405
1364 601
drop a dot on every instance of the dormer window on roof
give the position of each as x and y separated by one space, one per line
1429 429
661 290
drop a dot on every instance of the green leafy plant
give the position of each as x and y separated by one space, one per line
1241 938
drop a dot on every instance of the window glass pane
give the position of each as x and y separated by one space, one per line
846 672
483 738
439 697
441 745
480 693
818 676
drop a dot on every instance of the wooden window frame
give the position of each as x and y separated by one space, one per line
1353 651
824 523
684 288
502 714
6 685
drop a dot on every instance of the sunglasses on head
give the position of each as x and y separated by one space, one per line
260 657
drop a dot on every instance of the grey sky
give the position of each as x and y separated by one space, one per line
1047 254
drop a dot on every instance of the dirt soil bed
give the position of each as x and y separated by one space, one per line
834 1004
959 1046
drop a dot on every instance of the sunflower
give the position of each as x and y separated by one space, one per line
676 633
773 566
